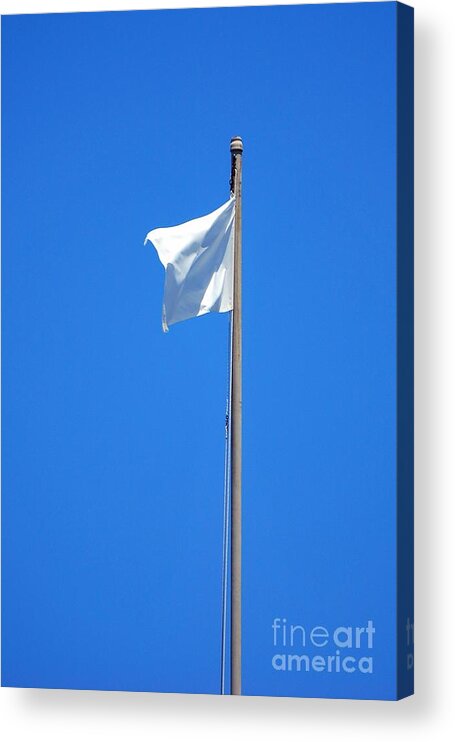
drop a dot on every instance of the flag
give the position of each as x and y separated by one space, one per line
198 259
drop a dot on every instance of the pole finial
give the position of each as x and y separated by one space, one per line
236 145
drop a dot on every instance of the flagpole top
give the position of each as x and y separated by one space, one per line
236 145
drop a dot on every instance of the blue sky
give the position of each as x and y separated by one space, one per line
116 123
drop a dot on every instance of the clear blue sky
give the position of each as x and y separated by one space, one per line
115 123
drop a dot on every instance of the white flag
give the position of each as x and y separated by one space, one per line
198 258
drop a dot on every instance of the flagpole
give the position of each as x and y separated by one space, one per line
236 427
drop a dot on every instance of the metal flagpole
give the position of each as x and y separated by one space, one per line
236 427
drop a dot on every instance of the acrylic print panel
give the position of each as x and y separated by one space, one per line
113 433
